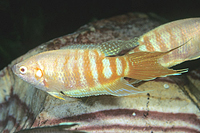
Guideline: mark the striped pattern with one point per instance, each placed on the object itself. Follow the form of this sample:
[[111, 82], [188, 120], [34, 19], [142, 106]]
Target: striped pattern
[[85, 69], [170, 36]]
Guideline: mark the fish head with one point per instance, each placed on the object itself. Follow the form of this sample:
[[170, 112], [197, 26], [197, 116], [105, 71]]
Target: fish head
[[30, 71]]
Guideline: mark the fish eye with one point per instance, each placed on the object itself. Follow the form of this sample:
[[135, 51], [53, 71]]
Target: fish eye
[[23, 69]]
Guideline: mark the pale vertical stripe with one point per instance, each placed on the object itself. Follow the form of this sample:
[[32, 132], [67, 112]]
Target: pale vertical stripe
[[93, 66], [70, 66], [81, 67], [153, 42], [176, 32], [119, 66], [126, 70], [106, 68], [141, 39], [99, 52], [59, 68], [48, 67], [143, 48]]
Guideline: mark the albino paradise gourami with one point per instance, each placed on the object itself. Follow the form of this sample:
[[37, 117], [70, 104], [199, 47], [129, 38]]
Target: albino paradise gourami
[[170, 36], [85, 70]]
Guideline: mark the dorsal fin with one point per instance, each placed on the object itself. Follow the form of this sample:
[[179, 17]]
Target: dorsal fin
[[109, 48]]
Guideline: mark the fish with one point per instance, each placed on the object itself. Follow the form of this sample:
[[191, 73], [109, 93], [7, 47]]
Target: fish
[[171, 35], [90, 70]]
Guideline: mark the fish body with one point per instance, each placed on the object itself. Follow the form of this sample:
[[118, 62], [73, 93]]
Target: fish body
[[170, 36], [86, 70]]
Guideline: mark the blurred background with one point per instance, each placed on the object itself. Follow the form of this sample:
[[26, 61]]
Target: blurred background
[[25, 24]]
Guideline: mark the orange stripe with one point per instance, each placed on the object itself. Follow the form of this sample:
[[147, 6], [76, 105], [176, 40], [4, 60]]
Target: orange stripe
[[102, 78], [172, 41], [74, 72], [81, 68], [113, 67], [174, 36], [123, 64], [158, 41], [87, 67], [70, 73], [165, 40], [100, 69], [66, 71]]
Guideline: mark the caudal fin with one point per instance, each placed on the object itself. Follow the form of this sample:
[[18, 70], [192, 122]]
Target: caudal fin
[[145, 66]]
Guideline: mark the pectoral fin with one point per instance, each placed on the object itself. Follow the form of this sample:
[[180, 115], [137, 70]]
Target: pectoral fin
[[57, 95]]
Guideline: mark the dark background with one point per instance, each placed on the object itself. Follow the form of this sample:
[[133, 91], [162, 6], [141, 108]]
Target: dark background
[[25, 24]]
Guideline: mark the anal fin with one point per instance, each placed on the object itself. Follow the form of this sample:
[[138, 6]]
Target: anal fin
[[121, 87]]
